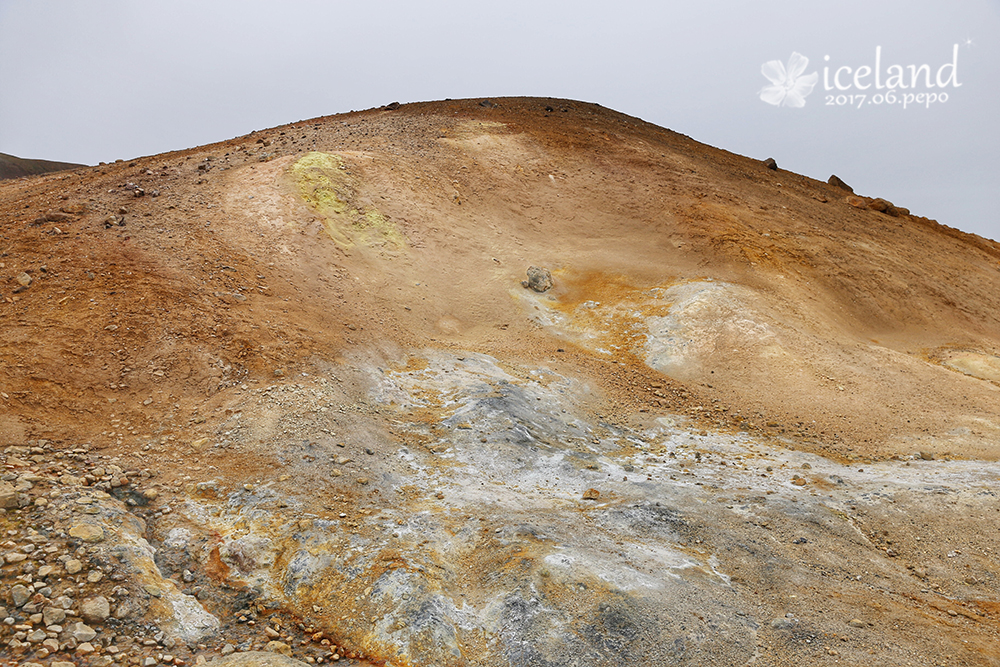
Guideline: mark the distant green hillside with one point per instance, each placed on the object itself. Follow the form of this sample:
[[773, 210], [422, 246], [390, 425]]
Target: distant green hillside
[[15, 167]]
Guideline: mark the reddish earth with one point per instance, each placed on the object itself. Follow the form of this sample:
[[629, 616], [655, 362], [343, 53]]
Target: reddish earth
[[865, 301], [164, 291]]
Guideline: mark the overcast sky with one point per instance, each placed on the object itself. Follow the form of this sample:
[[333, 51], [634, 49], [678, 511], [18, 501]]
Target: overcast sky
[[100, 80]]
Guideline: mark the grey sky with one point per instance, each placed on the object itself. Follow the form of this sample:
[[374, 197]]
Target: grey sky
[[100, 80]]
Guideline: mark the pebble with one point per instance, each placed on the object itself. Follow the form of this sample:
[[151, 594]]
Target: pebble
[[53, 615], [95, 610], [857, 623], [87, 532], [81, 632], [8, 496], [19, 595], [278, 647], [73, 566]]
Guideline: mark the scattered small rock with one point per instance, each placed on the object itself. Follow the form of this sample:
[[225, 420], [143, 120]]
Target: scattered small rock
[[278, 647], [255, 659], [591, 494], [95, 610], [53, 615], [87, 532], [19, 595], [8, 496], [836, 182], [771, 164], [539, 279], [80, 631]]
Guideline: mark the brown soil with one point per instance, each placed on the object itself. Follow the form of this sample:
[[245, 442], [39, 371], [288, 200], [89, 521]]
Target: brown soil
[[178, 298], [228, 277]]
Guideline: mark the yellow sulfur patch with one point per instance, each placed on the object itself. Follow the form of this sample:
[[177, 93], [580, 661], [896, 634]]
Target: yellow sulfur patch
[[326, 184]]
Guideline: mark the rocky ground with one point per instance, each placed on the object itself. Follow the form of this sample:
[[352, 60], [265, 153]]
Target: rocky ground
[[287, 396], [86, 588]]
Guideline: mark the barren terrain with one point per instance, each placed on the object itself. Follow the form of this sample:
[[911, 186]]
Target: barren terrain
[[295, 381], [16, 167]]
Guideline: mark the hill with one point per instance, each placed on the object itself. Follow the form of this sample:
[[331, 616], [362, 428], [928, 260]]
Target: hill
[[753, 419], [16, 167]]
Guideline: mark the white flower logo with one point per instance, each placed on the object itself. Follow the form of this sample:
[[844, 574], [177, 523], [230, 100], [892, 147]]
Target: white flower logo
[[790, 88]]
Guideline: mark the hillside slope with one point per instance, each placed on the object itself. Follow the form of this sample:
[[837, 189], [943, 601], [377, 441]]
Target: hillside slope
[[862, 331], [16, 167], [312, 348]]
